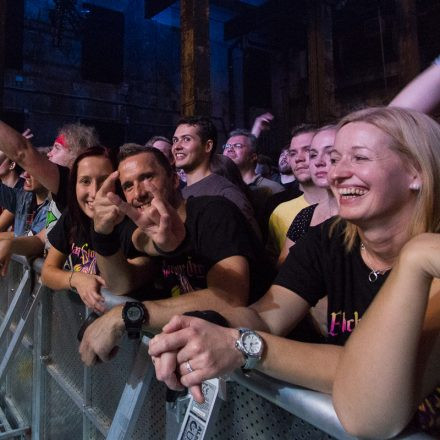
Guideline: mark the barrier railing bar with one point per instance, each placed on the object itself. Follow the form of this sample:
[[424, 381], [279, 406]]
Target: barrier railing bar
[[12, 309], [77, 399], [39, 377], [14, 433], [314, 407], [135, 390], [19, 332], [4, 422]]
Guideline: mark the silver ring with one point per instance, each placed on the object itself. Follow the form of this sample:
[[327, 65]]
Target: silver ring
[[188, 367]]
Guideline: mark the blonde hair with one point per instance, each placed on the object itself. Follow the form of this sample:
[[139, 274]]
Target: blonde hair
[[416, 139], [79, 137]]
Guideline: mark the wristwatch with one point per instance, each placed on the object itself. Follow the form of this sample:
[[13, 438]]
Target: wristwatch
[[134, 315], [251, 345]]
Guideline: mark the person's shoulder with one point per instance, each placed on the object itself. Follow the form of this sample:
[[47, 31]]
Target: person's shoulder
[[287, 206], [203, 203], [330, 233], [274, 186]]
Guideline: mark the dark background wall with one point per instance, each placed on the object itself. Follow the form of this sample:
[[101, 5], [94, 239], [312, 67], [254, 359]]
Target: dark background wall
[[116, 64]]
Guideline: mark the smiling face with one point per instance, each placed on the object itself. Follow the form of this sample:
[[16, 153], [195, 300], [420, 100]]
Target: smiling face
[[188, 149], [137, 172], [319, 156], [370, 180], [92, 171], [299, 156]]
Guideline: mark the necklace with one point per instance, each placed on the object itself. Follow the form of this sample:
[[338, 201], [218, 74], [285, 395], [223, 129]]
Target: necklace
[[374, 274]]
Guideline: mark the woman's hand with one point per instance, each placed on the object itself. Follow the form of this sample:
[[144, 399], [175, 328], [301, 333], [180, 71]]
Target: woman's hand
[[89, 289]]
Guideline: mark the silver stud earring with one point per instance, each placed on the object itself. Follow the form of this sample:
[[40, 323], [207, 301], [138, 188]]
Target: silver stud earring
[[415, 186]]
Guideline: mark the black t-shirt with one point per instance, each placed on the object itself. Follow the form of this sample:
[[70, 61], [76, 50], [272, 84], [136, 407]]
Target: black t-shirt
[[81, 256], [216, 229], [318, 265]]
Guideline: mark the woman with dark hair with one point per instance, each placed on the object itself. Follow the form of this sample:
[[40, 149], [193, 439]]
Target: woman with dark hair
[[70, 238]]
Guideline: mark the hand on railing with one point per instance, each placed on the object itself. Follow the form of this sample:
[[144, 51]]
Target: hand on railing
[[204, 351], [102, 337], [88, 287]]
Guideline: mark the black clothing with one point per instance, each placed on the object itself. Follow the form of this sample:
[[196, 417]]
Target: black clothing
[[81, 256], [301, 223], [216, 229], [319, 265]]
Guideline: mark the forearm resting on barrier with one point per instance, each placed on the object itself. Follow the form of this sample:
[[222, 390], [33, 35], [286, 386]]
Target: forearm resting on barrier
[[392, 360]]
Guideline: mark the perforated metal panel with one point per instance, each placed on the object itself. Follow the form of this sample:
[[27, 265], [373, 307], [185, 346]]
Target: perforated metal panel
[[63, 419], [66, 317], [246, 415], [20, 383], [151, 422]]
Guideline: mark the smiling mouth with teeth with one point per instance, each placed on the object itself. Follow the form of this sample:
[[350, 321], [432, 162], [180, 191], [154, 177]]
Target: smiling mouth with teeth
[[351, 192]]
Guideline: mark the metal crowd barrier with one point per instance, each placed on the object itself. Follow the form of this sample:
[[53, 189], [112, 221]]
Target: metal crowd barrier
[[47, 393]]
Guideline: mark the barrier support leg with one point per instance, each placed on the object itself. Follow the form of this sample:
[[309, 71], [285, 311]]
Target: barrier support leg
[[133, 395]]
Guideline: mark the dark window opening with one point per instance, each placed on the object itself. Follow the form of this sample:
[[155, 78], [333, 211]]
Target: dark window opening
[[103, 45], [111, 134], [14, 34]]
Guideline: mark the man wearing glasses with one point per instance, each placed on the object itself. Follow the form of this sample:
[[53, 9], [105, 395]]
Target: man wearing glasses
[[242, 149]]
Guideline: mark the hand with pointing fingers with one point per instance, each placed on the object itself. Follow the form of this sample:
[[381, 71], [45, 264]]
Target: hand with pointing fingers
[[158, 221], [106, 214]]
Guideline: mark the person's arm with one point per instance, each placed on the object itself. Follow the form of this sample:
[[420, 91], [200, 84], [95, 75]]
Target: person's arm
[[211, 349], [28, 246], [228, 286], [21, 151], [392, 360], [121, 274], [422, 93], [261, 123], [124, 275], [6, 220], [285, 251], [87, 285]]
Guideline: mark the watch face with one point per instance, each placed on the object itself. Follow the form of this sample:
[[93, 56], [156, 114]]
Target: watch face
[[134, 313], [251, 343]]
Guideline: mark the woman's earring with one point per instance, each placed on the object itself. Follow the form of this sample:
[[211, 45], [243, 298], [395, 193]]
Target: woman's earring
[[415, 186]]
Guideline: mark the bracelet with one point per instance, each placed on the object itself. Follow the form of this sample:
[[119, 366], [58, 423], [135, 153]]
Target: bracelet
[[105, 244], [436, 61], [70, 281]]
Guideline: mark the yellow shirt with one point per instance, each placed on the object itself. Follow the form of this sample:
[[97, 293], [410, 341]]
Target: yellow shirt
[[280, 221]]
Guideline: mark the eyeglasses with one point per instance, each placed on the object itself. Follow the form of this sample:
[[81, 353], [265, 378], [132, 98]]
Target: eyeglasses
[[234, 146]]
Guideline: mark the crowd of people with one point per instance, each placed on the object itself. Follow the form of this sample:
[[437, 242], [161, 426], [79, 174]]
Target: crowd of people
[[324, 275]]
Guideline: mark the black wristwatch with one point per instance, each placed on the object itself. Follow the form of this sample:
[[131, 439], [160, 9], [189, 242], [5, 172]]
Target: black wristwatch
[[134, 315]]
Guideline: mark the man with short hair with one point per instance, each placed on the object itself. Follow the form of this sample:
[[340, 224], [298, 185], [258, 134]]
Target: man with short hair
[[283, 215], [194, 144], [220, 262]]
